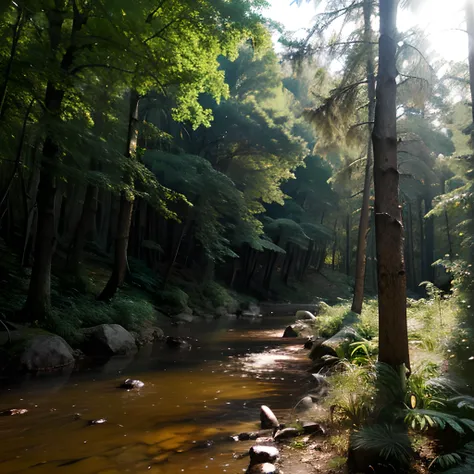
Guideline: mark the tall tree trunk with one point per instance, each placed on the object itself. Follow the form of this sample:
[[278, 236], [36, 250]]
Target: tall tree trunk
[[422, 239], [470, 32], [411, 270], [15, 39], [348, 244], [393, 334], [84, 229], [334, 247], [120, 267], [38, 303], [361, 255], [429, 241]]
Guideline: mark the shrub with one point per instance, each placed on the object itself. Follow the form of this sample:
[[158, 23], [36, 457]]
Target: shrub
[[217, 294]]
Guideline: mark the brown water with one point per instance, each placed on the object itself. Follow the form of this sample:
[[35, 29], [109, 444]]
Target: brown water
[[179, 422]]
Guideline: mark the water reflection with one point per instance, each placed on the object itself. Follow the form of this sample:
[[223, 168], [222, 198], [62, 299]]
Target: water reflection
[[190, 401]]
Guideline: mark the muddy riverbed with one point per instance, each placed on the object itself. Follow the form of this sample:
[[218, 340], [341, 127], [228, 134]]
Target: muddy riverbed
[[180, 421]]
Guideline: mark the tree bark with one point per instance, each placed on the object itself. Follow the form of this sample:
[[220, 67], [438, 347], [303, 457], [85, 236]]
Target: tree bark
[[15, 39], [361, 255], [38, 303], [393, 334], [470, 32], [120, 267], [429, 241], [348, 244]]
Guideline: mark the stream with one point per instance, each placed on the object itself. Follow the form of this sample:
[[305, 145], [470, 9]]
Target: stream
[[181, 421]]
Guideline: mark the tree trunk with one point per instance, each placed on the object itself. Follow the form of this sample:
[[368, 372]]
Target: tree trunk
[[393, 334], [84, 229], [119, 270], [361, 255], [429, 241], [470, 33], [348, 244], [15, 39], [411, 270]]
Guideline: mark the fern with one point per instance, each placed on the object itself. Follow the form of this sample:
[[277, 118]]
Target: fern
[[390, 442]]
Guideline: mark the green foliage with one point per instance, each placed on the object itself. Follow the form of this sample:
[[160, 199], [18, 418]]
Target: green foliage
[[70, 314], [390, 442], [217, 294], [172, 299], [331, 319]]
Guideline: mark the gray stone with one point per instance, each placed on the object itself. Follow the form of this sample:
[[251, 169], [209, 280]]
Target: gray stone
[[149, 335], [108, 340], [340, 342], [286, 433], [305, 316], [265, 468], [305, 404], [46, 352], [290, 332], [263, 454], [131, 384], [267, 418], [185, 317]]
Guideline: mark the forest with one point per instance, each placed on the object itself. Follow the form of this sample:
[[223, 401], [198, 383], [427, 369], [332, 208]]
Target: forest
[[178, 160]]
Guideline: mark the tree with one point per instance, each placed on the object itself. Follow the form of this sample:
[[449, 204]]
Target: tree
[[393, 334]]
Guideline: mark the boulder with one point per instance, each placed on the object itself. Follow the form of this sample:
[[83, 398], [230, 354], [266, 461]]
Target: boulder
[[305, 316], [305, 404], [268, 419], [252, 435], [108, 340], [339, 343], [265, 468], [287, 433], [46, 352], [263, 454], [290, 332]]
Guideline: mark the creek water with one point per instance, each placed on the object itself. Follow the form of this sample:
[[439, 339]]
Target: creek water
[[181, 421]]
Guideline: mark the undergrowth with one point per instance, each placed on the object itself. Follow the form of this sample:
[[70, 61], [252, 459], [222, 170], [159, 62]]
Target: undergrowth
[[387, 413]]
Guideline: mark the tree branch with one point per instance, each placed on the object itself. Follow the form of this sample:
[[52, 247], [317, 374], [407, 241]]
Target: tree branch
[[105, 66]]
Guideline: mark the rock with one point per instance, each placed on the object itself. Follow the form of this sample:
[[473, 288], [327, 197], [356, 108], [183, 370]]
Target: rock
[[305, 316], [13, 411], [131, 384], [99, 421], [268, 419], [107, 340], [309, 343], [286, 433], [313, 428], [325, 362], [250, 310], [305, 404], [340, 342], [178, 343], [46, 352], [290, 332], [266, 468], [265, 441], [263, 454], [253, 435], [149, 335], [185, 317]]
